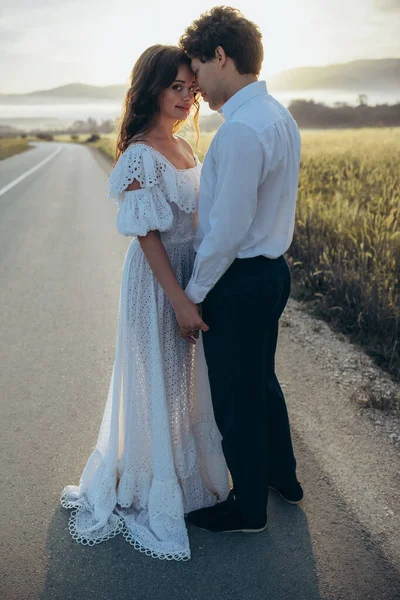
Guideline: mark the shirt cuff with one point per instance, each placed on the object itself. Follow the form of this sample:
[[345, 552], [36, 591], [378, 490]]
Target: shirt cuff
[[195, 292]]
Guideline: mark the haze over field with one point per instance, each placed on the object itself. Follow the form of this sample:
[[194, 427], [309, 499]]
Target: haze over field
[[46, 44], [62, 62]]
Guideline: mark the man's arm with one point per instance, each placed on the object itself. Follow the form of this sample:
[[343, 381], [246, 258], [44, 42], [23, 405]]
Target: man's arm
[[240, 160]]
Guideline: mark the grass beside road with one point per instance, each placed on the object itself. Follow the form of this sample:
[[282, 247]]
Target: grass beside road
[[345, 255], [11, 146], [346, 249], [105, 145]]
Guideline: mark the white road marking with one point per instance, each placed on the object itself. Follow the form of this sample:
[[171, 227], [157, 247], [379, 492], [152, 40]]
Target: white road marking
[[29, 172]]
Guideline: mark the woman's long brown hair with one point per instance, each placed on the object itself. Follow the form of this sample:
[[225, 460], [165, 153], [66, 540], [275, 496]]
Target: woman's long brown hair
[[155, 70]]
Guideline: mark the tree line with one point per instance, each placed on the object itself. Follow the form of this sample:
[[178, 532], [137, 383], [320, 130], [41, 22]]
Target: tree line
[[310, 114]]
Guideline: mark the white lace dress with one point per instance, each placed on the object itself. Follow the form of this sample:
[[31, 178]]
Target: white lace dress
[[158, 453]]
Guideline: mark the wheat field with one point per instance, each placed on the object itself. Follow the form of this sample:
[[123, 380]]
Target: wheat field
[[346, 251], [11, 146], [345, 256]]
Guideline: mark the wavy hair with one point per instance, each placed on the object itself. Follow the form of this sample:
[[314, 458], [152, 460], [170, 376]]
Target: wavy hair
[[227, 27], [155, 70]]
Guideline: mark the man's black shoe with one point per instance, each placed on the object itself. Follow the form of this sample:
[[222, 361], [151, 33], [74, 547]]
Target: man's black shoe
[[292, 494], [224, 517]]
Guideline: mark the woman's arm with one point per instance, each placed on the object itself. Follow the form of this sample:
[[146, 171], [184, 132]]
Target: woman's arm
[[187, 313]]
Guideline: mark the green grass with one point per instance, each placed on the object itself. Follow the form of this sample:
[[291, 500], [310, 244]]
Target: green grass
[[346, 249], [106, 143], [345, 255], [11, 146], [67, 138]]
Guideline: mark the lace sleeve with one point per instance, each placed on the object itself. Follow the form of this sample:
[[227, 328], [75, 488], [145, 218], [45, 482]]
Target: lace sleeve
[[146, 209], [135, 163], [142, 211]]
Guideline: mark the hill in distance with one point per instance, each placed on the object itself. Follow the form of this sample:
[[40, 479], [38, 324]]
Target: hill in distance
[[82, 90], [359, 76]]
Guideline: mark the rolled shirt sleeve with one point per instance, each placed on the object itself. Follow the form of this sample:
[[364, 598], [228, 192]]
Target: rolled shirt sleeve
[[240, 162]]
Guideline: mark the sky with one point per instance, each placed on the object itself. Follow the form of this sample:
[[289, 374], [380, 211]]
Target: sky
[[47, 43]]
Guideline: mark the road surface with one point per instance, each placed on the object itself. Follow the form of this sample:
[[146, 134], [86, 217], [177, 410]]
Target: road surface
[[61, 262]]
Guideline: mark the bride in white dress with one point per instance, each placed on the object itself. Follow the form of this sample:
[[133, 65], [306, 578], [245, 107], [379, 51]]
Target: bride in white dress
[[158, 455]]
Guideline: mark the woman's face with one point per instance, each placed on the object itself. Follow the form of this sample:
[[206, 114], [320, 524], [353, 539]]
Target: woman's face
[[177, 100]]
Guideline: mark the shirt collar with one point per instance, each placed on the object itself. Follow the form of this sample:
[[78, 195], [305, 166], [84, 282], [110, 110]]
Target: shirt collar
[[257, 88]]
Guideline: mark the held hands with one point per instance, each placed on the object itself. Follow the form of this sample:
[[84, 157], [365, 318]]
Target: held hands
[[189, 320]]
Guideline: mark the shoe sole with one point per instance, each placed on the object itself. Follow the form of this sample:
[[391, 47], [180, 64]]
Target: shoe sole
[[236, 530], [245, 530], [284, 498]]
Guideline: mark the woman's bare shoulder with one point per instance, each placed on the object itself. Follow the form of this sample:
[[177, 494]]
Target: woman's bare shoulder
[[185, 143]]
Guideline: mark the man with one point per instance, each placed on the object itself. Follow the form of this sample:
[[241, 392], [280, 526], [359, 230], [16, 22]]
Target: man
[[246, 221]]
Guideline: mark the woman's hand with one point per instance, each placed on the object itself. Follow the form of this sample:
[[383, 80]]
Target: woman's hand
[[189, 320], [187, 313]]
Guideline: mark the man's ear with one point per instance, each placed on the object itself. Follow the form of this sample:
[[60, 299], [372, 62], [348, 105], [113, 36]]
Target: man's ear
[[220, 55]]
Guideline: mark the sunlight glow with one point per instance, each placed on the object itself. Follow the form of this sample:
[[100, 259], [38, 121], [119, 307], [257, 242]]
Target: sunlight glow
[[45, 44]]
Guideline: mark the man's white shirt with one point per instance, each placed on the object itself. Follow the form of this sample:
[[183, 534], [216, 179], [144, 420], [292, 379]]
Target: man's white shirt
[[248, 187]]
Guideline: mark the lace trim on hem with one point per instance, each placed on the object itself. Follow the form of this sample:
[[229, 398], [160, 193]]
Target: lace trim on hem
[[120, 528], [180, 556], [85, 541]]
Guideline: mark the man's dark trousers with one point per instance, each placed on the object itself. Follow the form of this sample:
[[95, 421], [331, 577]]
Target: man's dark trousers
[[243, 311]]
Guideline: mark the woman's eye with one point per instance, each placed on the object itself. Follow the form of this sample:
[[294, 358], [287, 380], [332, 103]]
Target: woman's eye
[[192, 90]]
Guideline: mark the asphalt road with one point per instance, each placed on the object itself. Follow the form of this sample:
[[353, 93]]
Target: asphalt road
[[61, 262]]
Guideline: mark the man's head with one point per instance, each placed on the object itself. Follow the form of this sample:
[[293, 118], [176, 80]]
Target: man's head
[[225, 48]]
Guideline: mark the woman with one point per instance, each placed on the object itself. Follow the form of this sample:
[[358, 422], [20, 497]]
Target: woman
[[158, 455]]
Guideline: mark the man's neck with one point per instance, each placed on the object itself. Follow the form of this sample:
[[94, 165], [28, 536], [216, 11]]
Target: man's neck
[[238, 84]]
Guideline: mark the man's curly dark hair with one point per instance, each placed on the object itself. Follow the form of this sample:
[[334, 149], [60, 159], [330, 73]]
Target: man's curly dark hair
[[225, 26]]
